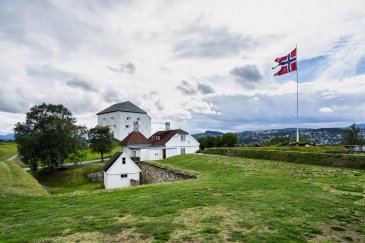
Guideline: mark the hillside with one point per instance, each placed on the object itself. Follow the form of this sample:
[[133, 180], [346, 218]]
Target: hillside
[[233, 199], [15, 181], [207, 134], [322, 136]]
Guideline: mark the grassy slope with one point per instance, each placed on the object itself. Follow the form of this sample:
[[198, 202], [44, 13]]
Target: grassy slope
[[7, 150], [70, 180], [13, 180], [234, 199]]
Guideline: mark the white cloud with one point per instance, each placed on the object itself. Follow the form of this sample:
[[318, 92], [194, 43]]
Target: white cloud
[[325, 110], [58, 52]]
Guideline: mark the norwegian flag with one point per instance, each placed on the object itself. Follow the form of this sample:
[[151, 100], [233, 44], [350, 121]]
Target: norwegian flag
[[288, 63]]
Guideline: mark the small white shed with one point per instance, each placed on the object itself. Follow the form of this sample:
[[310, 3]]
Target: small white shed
[[120, 171]]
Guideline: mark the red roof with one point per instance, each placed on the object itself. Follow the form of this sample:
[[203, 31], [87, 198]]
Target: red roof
[[134, 138], [162, 137]]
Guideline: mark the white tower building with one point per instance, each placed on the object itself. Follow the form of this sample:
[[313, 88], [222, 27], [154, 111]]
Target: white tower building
[[120, 119]]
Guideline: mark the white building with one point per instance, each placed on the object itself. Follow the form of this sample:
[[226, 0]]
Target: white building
[[120, 171], [160, 145], [120, 117]]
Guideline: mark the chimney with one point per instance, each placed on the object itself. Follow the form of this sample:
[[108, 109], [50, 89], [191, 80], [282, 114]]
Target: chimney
[[167, 126], [135, 126]]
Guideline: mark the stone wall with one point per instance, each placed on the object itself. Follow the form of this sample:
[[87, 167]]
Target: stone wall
[[151, 173], [96, 176], [156, 174]]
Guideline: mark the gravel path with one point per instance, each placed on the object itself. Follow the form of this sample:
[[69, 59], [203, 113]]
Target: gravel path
[[12, 158]]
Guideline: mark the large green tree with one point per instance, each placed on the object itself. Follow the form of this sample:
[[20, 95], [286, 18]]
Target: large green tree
[[101, 140], [352, 136], [48, 136], [229, 139]]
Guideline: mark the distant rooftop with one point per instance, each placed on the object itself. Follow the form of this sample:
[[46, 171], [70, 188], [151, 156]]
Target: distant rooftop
[[124, 106]]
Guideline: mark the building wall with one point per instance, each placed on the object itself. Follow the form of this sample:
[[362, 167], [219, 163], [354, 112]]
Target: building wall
[[189, 144], [176, 141], [115, 181], [121, 123], [112, 177]]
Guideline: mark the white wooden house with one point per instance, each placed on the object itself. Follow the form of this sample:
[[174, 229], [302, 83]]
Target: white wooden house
[[160, 145], [120, 171]]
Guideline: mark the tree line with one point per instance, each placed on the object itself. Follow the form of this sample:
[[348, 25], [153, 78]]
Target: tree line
[[226, 140], [50, 135]]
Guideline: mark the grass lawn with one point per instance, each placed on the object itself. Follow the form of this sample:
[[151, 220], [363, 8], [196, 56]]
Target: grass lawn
[[13, 180], [234, 199], [7, 149], [89, 155], [70, 180]]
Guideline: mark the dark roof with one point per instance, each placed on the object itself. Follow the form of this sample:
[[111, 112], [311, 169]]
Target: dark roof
[[164, 136], [124, 106], [134, 138], [111, 161]]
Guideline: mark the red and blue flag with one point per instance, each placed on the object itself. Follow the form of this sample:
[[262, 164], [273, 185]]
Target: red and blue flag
[[288, 63]]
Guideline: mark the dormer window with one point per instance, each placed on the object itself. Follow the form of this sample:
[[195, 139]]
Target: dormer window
[[158, 138]]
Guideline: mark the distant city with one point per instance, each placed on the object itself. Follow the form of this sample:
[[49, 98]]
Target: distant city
[[320, 136]]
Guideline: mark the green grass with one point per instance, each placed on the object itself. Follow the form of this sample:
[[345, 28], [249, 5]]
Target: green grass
[[13, 180], [234, 199], [89, 155], [7, 150], [69, 180], [306, 157], [317, 149]]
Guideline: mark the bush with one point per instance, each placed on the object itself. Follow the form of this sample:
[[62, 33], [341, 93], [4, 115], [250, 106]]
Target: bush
[[338, 160]]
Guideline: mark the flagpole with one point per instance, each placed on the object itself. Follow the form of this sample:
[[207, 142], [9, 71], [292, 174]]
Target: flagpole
[[296, 47]]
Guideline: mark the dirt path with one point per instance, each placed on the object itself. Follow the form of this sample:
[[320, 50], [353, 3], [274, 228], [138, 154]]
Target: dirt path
[[12, 158]]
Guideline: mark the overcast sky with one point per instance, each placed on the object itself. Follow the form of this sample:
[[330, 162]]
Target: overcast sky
[[202, 65]]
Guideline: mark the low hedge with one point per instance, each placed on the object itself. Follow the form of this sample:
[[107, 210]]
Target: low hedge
[[338, 160]]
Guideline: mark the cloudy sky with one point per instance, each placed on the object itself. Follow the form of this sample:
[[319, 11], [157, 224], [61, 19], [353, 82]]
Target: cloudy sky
[[202, 65]]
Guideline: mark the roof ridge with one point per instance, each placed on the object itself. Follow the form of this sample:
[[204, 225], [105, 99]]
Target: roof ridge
[[125, 106]]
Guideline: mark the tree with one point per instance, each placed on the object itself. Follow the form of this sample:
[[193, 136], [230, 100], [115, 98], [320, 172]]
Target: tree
[[101, 140], [229, 139], [352, 136], [207, 142], [48, 136]]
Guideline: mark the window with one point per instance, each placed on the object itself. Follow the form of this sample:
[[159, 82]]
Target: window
[[112, 118], [124, 176], [183, 138], [182, 150], [114, 126], [157, 138], [138, 119], [134, 153], [128, 118], [104, 119], [123, 161], [126, 126]]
